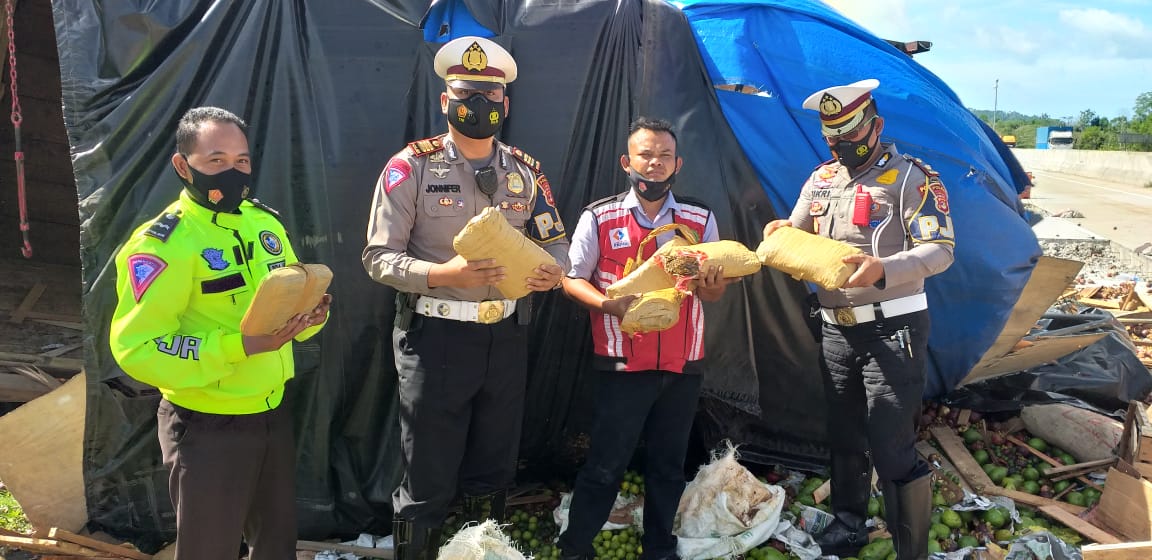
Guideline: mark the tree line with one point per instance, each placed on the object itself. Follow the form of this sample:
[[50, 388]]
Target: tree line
[[1091, 131]]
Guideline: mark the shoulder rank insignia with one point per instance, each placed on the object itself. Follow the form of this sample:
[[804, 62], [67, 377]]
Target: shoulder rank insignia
[[927, 169], [426, 146], [163, 227], [266, 208], [527, 159]]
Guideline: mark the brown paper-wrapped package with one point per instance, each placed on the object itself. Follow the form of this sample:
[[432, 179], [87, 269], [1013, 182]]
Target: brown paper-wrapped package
[[285, 292], [653, 311], [489, 236], [807, 256]]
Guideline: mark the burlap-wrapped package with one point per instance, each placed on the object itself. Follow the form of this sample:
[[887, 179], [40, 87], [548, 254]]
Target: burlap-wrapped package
[[490, 236], [679, 263], [689, 262], [653, 311], [807, 256], [284, 293]]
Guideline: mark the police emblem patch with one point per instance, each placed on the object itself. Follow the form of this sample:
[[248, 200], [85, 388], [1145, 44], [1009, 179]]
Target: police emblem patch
[[459, 202], [474, 58], [215, 196], [145, 269], [619, 238], [397, 172], [271, 243], [515, 183], [215, 258], [545, 189]]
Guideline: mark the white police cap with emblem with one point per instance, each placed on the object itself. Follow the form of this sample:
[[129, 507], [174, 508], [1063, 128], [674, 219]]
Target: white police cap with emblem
[[474, 63], [842, 108]]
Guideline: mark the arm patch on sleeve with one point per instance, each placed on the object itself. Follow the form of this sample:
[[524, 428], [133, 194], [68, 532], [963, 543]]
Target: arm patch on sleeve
[[143, 270], [545, 224], [397, 172], [932, 222]]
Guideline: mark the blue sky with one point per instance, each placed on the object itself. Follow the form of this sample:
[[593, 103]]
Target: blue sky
[[1052, 57]]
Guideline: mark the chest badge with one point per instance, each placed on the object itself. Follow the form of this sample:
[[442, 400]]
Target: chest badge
[[888, 177], [619, 238], [436, 157], [215, 258], [515, 183], [440, 170], [519, 207], [271, 243]]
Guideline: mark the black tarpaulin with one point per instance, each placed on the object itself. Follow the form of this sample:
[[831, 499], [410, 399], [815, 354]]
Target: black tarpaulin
[[331, 90]]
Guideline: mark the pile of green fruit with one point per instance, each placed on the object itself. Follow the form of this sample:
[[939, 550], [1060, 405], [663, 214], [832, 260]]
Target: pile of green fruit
[[618, 545], [533, 533], [804, 493], [1013, 468], [633, 484]]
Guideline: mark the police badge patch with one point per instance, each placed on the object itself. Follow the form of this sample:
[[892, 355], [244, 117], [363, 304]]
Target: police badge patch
[[145, 269], [215, 258], [271, 243]]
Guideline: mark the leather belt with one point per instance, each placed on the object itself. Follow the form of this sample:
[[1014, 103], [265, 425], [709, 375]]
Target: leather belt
[[486, 312], [849, 316]]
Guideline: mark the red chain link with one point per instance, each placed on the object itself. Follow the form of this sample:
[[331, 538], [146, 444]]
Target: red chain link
[[17, 118]]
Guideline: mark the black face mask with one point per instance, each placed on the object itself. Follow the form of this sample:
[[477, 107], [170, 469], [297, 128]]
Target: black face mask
[[855, 154], [647, 188], [476, 117], [222, 192]]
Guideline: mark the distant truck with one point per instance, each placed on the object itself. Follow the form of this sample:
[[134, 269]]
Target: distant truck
[[1054, 138], [1009, 140]]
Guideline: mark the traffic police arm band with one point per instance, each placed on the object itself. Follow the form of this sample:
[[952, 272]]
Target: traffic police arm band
[[916, 263]]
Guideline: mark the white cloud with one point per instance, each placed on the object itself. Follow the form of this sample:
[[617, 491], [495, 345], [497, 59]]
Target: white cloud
[[1103, 22]]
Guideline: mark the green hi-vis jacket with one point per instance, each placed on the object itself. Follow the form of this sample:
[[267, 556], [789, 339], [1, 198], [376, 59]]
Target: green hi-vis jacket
[[184, 282]]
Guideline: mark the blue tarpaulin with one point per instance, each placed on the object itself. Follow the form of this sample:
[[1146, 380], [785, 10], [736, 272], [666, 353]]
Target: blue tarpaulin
[[784, 50]]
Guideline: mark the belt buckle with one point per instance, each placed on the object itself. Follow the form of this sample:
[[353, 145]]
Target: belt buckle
[[845, 316], [489, 312]]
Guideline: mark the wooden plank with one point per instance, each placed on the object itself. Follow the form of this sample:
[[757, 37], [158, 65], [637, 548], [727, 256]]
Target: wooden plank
[[971, 471], [1090, 465], [35, 544], [313, 546], [29, 302], [1126, 506], [76, 326], [57, 352], [1049, 278], [117, 550], [1043, 350], [820, 494], [17, 388], [55, 317], [43, 362], [1129, 445], [47, 476], [1119, 551], [1144, 468], [966, 466], [1080, 526], [1047, 459]]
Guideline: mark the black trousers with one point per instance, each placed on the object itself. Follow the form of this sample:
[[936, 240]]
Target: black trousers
[[230, 476], [874, 388], [660, 406], [462, 391]]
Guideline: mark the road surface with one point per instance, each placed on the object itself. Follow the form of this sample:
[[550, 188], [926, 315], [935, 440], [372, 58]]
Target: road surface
[[1118, 212]]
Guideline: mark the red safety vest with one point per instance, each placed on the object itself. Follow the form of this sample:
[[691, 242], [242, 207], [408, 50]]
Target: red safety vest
[[619, 236]]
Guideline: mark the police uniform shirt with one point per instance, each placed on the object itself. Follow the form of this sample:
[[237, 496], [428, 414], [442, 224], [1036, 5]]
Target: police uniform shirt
[[426, 195], [909, 225]]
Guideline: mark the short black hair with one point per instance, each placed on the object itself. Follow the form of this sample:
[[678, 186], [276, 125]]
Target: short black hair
[[189, 128], [653, 124]]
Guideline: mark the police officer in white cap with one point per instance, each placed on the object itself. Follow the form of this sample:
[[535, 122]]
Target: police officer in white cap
[[875, 327], [460, 348]]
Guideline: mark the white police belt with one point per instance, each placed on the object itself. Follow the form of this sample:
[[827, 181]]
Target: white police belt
[[849, 316], [486, 312]]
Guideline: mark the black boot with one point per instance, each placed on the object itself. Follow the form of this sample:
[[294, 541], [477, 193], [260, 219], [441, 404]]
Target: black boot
[[851, 487], [486, 506], [412, 542], [907, 512]]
